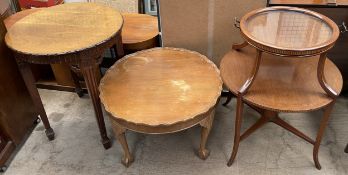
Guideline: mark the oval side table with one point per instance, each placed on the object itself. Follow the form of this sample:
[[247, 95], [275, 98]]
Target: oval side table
[[161, 90], [282, 67], [74, 33]]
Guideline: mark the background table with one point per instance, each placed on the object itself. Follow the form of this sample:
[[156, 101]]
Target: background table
[[76, 33], [161, 90], [270, 84]]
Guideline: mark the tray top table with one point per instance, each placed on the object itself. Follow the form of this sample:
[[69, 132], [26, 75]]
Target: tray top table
[[266, 72], [161, 90], [289, 31], [73, 33]]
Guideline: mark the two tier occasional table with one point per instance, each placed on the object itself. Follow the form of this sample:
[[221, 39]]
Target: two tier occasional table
[[74, 33], [161, 90], [282, 67]]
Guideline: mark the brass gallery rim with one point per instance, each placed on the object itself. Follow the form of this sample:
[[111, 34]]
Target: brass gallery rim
[[286, 27], [64, 29], [145, 117]]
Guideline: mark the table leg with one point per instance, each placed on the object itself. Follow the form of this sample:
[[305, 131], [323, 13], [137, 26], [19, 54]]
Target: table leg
[[346, 150], [118, 47], [238, 125], [88, 70], [323, 124], [76, 80], [29, 80], [206, 127], [120, 131]]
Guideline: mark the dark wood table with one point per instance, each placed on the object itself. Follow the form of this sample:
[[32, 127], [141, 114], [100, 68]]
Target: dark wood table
[[161, 90], [74, 33], [282, 67]]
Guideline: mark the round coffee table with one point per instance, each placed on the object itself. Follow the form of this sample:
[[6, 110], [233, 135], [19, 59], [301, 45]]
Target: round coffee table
[[73, 33], [161, 90], [255, 73]]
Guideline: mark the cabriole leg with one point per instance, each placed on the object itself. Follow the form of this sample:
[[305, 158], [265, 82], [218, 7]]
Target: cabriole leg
[[206, 124], [120, 131]]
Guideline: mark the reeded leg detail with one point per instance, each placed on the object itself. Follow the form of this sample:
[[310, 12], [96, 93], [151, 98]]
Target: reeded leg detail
[[238, 124], [206, 124], [323, 124], [119, 131], [34, 93], [88, 71]]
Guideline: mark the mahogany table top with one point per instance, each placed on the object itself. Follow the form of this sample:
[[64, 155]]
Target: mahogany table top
[[287, 84], [139, 28], [160, 86], [64, 29]]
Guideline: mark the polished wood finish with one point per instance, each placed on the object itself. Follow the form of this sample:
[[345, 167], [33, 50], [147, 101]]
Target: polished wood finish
[[271, 84], [86, 19], [292, 84], [17, 114], [289, 31], [139, 32], [161, 90], [75, 33]]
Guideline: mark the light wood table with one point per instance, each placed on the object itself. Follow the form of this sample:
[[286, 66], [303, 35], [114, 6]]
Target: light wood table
[[139, 32], [74, 33], [301, 80], [161, 90]]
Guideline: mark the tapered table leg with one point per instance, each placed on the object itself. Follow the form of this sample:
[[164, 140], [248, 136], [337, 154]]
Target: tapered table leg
[[88, 70], [29, 80], [238, 125], [206, 124], [323, 124], [119, 131]]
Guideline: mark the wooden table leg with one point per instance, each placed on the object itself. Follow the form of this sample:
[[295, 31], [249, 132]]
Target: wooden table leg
[[323, 124], [346, 150], [78, 88], [118, 47], [120, 131], [29, 80], [238, 125], [88, 69], [206, 124]]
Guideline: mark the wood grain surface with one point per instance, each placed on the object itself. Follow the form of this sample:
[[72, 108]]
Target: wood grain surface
[[160, 86], [287, 84], [64, 29], [138, 28]]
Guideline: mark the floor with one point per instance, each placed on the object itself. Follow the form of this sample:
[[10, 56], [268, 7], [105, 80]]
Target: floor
[[270, 151]]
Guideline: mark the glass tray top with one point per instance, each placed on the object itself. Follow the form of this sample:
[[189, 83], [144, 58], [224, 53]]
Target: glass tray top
[[289, 28]]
